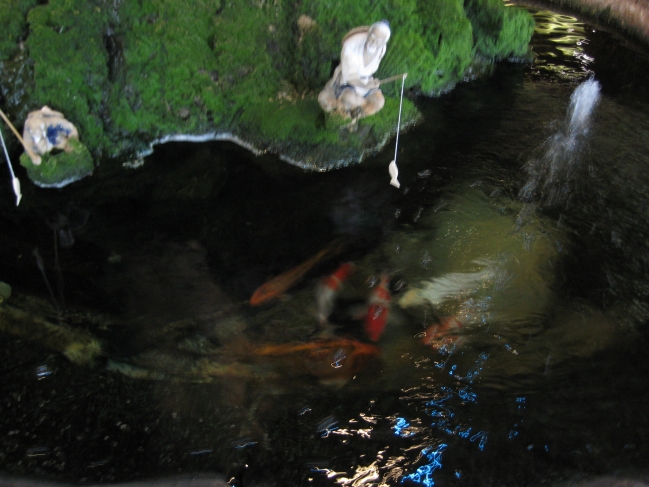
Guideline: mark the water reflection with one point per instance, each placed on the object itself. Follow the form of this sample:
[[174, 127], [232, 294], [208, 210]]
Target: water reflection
[[499, 344], [492, 263], [559, 44], [552, 172], [436, 422]]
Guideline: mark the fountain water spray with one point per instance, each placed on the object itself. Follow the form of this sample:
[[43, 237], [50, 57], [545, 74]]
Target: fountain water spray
[[551, 172]]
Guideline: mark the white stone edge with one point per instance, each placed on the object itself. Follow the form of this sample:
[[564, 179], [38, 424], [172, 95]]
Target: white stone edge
[[227, 137]]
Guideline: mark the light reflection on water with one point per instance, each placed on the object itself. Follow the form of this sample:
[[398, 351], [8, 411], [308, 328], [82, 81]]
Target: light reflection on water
[[559, 44], [525, 347], [529, 376], [439, 418]]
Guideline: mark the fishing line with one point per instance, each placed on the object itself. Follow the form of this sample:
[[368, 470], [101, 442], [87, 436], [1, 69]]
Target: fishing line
[[14, 180], [392, 168]]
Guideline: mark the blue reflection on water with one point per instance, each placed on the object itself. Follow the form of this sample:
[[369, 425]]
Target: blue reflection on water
[[464, 433], [423, 475], [438, 402], [482, 436], [443, 409], [466, 395], [400, 426], [477, 368], [326, 426], [43, 371]]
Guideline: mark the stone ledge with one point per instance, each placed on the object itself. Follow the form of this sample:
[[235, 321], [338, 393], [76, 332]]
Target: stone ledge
[[627, 17]]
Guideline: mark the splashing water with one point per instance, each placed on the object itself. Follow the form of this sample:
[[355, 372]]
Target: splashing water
[[552, 172], [582, 103]]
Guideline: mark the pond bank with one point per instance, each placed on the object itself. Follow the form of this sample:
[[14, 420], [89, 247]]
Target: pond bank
[[132, 73], [627, 17]]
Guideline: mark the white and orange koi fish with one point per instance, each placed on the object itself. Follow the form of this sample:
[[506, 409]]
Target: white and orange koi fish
[[328, 289], [379, 309]]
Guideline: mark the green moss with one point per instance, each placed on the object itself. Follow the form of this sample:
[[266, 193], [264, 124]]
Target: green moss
[[301, 120], [126, 73], [501, 31], [432, 41], [334, 121], [62, 167], [436, 51], [13, 20], [70, 63], [163, 68], [386, 120]]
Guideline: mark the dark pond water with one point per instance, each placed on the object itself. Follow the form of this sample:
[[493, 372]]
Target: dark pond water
[[515, 346]]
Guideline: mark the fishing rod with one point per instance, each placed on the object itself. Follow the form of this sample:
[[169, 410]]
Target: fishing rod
[[32, 156], [392, 167], [393, 78], [15, 182]]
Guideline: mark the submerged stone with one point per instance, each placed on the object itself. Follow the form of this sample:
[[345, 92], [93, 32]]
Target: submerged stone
[[5, 292]]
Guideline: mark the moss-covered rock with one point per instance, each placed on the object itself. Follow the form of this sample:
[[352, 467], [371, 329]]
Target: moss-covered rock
[[500, 33], [57, 169], [132, 72], [70, 64], [13, 15]]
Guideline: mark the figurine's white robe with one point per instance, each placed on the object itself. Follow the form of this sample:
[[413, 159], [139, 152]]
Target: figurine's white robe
[[352, 66]]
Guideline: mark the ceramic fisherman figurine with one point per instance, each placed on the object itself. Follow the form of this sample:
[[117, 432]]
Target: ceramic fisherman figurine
[[44, 130], [352, 91]]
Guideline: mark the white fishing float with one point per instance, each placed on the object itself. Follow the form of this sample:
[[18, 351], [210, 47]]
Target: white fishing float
[[392, 168], [14, 180]]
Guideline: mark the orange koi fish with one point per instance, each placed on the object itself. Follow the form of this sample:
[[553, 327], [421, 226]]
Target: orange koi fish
[[328, 288], [442, 333], [332, 361], [379, 309], [317, 348], [278, 285]]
